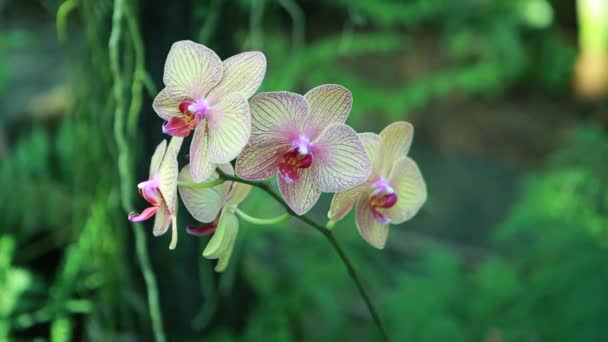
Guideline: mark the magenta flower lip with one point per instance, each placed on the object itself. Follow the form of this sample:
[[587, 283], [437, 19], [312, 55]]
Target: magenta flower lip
[[207, 97], [303, 140], [160, 190], [394, 191]]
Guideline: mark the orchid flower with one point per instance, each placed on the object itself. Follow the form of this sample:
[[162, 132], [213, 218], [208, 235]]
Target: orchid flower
[[208, 96], [160, 190], [303, 139], [394, 191], [217, 206]]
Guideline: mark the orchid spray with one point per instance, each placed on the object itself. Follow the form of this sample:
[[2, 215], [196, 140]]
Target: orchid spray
[[301, 139]]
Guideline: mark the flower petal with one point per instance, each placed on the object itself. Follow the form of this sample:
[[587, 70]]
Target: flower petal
[[202, 204], [239, 193], [224, 236], [342, 202], [328, 104], [410, 188], [397, 138], [224, 259], [191, 70], [167, 174], [340, 159], [200, 166], [243, 73], [276, 117], [162, 221], [166, 105], [260, 161], [229, 127], [157, 158], [302, 195], [370, 229], [144, 215], [375, 151]]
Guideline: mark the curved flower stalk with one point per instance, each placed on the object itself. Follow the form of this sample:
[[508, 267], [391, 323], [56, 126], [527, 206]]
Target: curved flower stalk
[[160, 190], [217, 206], [393, 193], [303, 140], [208, 96]]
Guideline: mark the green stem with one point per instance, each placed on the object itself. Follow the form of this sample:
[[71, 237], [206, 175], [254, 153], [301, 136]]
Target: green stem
[[124, 169], [204, 185], [329, 236], [260, 221]]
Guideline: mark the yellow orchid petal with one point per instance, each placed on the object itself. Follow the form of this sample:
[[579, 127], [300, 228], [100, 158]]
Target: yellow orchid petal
[[162, 221], [191, 70], [343, 202], [202, 204], [224, 236], [340, 159], [406, 179], [302, 195], [328, 104], [397, 139], [374, 232], [229, 128], [166, 105], [157, 157], [167, 174], [239, 193], [243, 73], [201, 167]]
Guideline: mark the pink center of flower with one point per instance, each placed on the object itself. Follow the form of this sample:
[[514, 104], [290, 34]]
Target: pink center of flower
[[150, 191], [193, 113], [205, 229], [383, 196], [298, 157]]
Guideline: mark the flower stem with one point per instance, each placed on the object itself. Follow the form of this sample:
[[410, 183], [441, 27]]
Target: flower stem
[[204, 185], [261, 221], [328, 235]]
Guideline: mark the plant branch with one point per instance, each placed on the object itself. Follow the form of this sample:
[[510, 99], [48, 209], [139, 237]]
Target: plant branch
[[261, 221], [330, 237]]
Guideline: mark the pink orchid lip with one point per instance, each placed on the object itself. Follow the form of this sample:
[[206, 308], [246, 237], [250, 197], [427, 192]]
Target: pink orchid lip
[[298, 157], [150, 191], [145, 214], [193, 113], [205, 229], [383, 196]]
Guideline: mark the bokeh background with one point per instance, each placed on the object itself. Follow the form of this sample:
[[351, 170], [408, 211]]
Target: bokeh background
[[508, 101]]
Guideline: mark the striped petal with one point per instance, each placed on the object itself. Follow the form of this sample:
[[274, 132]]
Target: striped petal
[[191, 70], [375, 151], [328, 104], [200, 166], [157, 157], [167, 175], [340, 159], [302, 195], [243, 73], [342, 202], [224, 236], [239, 193], [397, 139], [260, 162], [162, 221], [410, 188], [276, 117], [166, 105], [229, 127], [202, 204], [374, 232]]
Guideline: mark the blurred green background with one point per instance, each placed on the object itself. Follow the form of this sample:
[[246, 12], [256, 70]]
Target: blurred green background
[[507, 99]]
